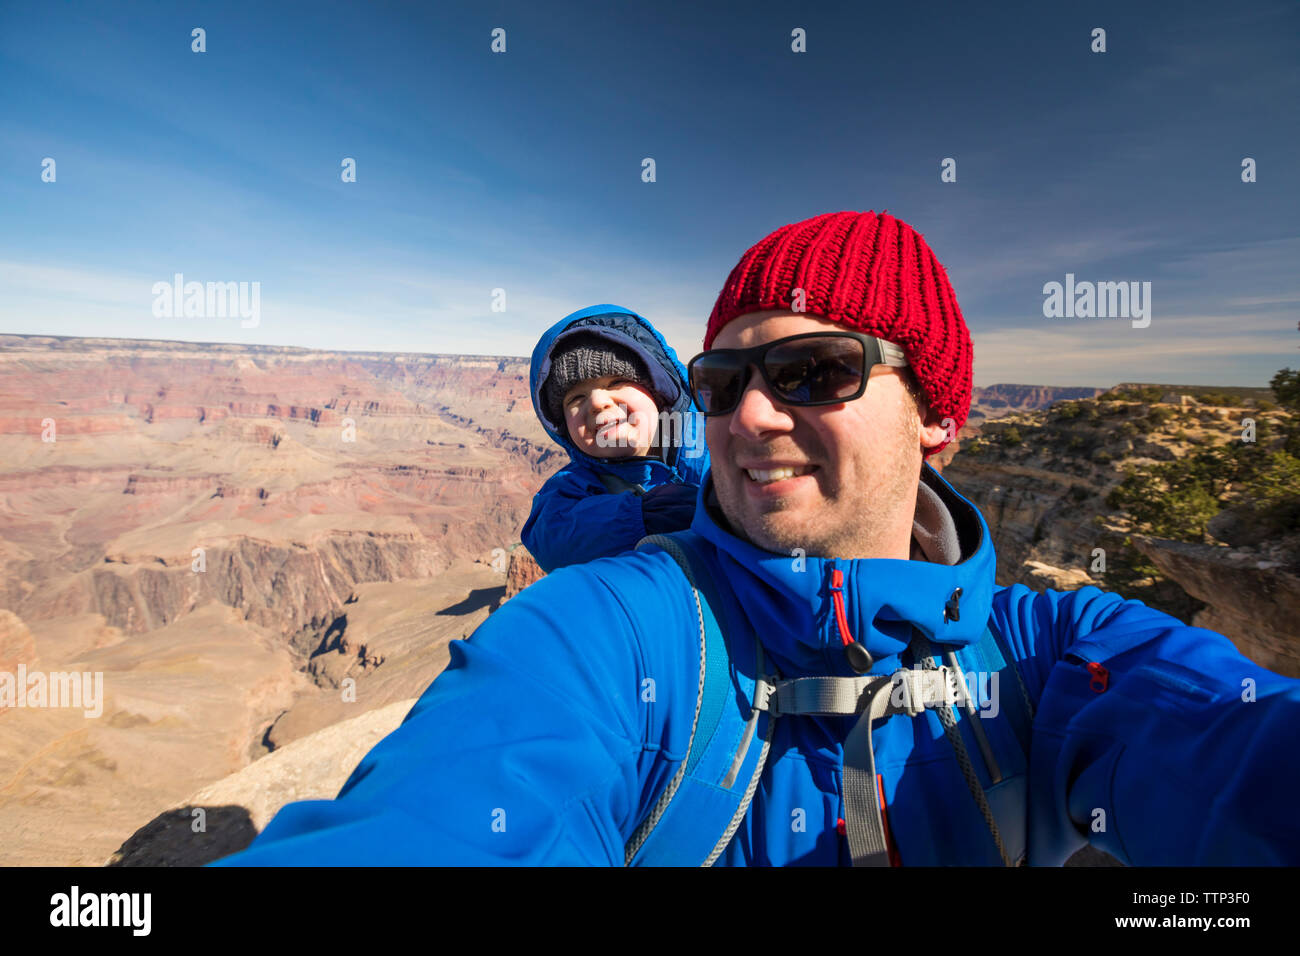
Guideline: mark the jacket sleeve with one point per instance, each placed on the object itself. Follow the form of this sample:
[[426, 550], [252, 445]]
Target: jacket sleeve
[[529, 749], [1157, 742], [574, 521]]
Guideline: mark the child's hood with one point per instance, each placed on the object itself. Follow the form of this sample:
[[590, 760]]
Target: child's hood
[[667, 375]]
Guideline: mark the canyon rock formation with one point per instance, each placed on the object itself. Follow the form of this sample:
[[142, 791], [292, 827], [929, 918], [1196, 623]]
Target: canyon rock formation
[[248, 544]]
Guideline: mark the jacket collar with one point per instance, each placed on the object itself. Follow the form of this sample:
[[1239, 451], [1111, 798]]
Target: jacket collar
[[788, 600]]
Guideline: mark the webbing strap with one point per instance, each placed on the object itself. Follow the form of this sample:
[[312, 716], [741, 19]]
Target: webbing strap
[[616, 486], [818, 695], [863, 825], [729, 780], [910, 692], [903, 692], [762, 688], [935, 688], [949, 722], [990, 761]]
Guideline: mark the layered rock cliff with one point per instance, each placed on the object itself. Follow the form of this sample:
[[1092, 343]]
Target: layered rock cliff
[[994, 400], [1041, 480], [248, 544]]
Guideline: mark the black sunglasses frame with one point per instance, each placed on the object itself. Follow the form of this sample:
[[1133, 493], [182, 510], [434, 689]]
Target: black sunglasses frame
[[875, 351]]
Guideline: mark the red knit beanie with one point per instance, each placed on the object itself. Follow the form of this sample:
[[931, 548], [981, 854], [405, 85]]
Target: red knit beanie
[[874, 274]]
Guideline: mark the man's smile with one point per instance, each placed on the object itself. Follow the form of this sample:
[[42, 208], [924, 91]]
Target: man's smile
[[774, 482], [768, 473]]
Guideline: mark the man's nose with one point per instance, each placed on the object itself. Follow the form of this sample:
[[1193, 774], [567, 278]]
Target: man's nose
[[758, 411]]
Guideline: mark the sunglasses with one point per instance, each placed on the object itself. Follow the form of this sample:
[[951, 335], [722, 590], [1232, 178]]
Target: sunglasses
[[815, 368]]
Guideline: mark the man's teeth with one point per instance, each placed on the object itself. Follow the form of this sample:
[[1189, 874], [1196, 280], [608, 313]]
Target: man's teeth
[[776, 474]]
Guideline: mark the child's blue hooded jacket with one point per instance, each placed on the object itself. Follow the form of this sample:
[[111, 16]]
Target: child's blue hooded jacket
[[539, 744], [574, 517]]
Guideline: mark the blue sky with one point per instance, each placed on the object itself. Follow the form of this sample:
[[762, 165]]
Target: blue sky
[[522, 170]]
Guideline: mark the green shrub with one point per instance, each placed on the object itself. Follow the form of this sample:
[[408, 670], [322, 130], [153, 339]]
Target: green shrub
[[1286, 389], [1147, 394], [1158, 416], [1268, 502], [1164, 503], [1273, 480], [1011, 436], [1125, 564], [1218, 398], [1177, 499]]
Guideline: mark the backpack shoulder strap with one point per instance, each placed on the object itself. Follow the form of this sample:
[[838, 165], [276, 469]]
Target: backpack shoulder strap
[[616, 485], [996, 675], [1000, 662], [703, 805]]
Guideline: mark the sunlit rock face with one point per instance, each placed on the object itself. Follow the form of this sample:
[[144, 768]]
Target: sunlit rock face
[[249, 544]]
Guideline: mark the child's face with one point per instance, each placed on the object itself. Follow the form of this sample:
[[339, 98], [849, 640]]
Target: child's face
[[611, 417]]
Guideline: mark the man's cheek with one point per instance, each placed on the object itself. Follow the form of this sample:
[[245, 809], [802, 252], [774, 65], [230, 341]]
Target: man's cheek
[[715, 438]]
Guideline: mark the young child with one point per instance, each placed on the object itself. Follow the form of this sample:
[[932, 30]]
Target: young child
[[601, 380]]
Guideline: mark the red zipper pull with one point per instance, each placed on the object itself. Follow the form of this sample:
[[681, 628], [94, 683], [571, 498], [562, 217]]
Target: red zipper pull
[[859, 659], [1100, 677], [837, 598]]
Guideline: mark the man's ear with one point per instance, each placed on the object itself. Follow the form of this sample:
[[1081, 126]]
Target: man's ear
[[934, 430]]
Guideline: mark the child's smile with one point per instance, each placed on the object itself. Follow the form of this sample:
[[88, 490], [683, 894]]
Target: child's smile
[[611, 417]]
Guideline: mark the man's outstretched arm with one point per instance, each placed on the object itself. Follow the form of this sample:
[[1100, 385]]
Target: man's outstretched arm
[[1154, 741], [528, 749]]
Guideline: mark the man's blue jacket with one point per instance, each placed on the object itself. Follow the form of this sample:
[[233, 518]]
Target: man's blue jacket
[[536, 745], [574, 517]]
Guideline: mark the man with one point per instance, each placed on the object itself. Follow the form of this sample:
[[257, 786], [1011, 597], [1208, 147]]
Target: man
[[560, 728]]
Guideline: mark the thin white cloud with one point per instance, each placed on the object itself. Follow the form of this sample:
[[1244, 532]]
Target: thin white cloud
[[1213, 349], [1251, 301]]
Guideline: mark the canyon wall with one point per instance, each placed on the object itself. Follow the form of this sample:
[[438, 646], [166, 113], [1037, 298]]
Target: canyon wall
[[248, 544]]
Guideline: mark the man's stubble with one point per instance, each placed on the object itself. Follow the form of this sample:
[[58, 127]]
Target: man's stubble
[[859, 520]]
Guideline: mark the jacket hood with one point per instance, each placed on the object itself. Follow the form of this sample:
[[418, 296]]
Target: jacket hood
[[883, 597], [685, 461]]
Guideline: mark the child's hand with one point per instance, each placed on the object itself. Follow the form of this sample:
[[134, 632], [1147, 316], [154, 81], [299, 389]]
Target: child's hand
[[668, 508]]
